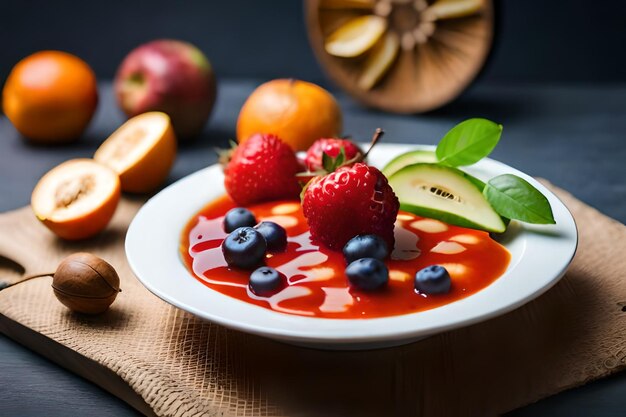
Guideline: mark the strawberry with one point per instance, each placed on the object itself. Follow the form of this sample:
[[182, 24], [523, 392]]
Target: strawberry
[[351, 201], [263, 168], [314, 160]]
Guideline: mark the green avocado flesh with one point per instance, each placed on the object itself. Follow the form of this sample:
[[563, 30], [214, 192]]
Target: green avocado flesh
[[445, 194], [408, 158]]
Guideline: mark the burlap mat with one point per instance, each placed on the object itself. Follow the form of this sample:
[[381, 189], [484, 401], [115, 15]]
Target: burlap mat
[[183, 366]]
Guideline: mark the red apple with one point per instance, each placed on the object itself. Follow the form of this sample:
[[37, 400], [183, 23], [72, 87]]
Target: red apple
[[170, 76]]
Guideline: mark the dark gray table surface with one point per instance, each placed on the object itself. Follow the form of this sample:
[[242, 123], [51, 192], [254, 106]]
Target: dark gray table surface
[[572, 135]]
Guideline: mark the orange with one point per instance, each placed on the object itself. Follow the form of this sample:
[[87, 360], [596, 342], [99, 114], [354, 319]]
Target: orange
[[76, 199], [298, 112], [50, 96], [142, 152]]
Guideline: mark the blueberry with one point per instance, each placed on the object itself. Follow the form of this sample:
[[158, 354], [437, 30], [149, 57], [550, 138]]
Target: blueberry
[[244, 248], [274, 234], [367, 274], [266, 281], [433, 279], [238, 217], [365, 246]]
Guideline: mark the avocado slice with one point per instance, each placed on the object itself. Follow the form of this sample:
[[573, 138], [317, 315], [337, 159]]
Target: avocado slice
[[446, 194], [408, 158]]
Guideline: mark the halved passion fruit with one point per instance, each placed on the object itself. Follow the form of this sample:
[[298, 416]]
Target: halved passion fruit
[[76, 199], [142, 152]]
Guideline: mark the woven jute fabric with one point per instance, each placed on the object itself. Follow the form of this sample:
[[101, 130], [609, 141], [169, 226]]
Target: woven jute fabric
[[183, 366]]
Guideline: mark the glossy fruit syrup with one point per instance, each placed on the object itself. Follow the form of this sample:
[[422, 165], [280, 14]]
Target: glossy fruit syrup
[[317, 283]]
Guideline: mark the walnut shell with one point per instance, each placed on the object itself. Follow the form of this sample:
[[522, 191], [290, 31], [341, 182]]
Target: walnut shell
[[85, 283]]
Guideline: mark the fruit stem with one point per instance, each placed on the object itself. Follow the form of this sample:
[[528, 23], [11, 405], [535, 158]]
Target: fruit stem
[[378, 133], [4, 284]]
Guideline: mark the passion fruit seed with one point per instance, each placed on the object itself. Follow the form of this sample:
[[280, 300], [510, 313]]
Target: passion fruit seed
[[85, 283], [71, 190]]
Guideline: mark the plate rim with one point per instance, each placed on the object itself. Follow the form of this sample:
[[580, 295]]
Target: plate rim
[[385, 328]]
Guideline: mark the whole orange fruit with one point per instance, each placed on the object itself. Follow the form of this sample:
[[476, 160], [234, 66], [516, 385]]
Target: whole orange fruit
[[296, 111], [50, 96]]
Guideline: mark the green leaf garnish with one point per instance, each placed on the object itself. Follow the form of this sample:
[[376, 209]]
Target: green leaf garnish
[[513, 197], [468, 142]]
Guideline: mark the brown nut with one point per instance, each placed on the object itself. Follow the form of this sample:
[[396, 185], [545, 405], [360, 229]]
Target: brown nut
[[85, 283]]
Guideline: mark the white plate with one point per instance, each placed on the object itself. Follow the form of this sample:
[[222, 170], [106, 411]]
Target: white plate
[[539, 257]]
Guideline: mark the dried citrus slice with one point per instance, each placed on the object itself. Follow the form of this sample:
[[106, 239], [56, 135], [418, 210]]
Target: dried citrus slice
[[76, 199], [451, 9], [141, 151], [379, 61], [356, 36], [346, 4]]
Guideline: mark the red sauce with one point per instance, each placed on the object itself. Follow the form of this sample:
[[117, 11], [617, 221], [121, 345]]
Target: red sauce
[[317, 283]]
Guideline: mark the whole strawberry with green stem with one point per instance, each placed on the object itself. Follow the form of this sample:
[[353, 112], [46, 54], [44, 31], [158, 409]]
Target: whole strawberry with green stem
[[326, 149], [263, 168], [353, 200]]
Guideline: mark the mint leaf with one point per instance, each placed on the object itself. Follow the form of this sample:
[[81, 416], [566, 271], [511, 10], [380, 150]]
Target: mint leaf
[[514, 198], [468, 142]]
